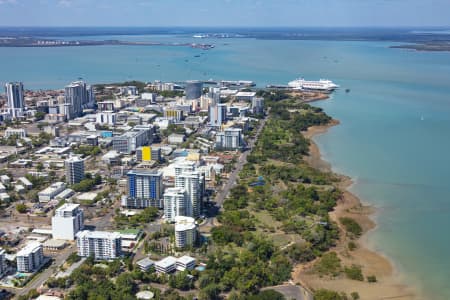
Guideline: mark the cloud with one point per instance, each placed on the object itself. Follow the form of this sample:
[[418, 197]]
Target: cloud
[[65, 3], [8, 2]]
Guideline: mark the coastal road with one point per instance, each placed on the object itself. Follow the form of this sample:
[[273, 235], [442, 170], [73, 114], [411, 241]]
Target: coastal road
[[223, 193]]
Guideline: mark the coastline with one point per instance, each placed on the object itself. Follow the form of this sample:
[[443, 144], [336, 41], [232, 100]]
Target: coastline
[[388, 285]]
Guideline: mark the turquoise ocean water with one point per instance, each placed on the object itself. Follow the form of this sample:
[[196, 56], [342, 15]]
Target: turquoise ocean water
[[393, 139]]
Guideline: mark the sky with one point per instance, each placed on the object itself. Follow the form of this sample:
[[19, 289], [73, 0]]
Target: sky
[[216, 13]]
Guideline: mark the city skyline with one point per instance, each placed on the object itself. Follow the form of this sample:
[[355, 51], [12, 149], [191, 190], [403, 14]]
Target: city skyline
[[227, 13]]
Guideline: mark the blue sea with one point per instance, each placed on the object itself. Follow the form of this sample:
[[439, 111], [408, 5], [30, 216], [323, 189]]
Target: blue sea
[[393, 138]]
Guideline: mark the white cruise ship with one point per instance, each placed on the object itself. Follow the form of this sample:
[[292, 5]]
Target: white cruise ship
[[321, 85]]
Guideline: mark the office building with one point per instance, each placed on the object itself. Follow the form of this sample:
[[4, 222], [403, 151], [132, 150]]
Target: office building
[[147, 153], [15, 99], [74, 170], [175, 203], [145, 264], [229, 139], [185, 232], [145, 189], [166, 265], [101, 245], [193, 89], [191, 183], [68, 220], [128, 142], [144, 154], [217, 114], [156, 154], [30, 258], [2, 262]]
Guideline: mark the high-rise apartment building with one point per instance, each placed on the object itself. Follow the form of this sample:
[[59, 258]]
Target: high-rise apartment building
[[30, 258], [191, 183], [185, 232], [75, 95], [217, 114], [145, 189], [229, 139], [79, 96], [68, 220], [74, 170], [2, 262], [175, 203], [15, 99], [101, 245]]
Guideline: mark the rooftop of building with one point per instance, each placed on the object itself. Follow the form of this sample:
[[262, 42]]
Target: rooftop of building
[[68, 207], [183, 223], [53, 187], [98, 234], [145, 172], [166, 262], [29, 248], [54, 243], [74, 159], [145, 262], [186, 260], [246, 94], [173, 191]]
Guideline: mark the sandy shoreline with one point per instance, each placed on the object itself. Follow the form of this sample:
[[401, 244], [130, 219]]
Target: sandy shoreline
[[388, 285]]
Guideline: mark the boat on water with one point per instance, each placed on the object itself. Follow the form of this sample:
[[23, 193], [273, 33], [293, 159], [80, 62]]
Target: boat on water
[[324, 85]]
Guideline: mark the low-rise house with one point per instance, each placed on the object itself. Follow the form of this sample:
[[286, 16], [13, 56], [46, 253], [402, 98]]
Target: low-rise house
[[166, 265], [145, 264], [25, 182], [51, 192], [5, 179], [185, 263]]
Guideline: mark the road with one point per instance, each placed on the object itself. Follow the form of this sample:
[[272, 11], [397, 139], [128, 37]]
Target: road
[[292, 291], [223, 193]]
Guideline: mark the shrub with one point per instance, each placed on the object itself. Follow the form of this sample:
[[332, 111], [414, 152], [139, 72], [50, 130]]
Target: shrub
[[324, 294], [351, 246], [372, 278], [354, 273], [329, 264], [351, 226], [355, 296], [21, 208]]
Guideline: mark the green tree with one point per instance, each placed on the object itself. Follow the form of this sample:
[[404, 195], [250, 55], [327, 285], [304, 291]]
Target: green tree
[[324, 294], [21, 208]]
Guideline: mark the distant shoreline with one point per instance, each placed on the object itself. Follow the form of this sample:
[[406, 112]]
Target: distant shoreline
[[50, 43], [430, 47]]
